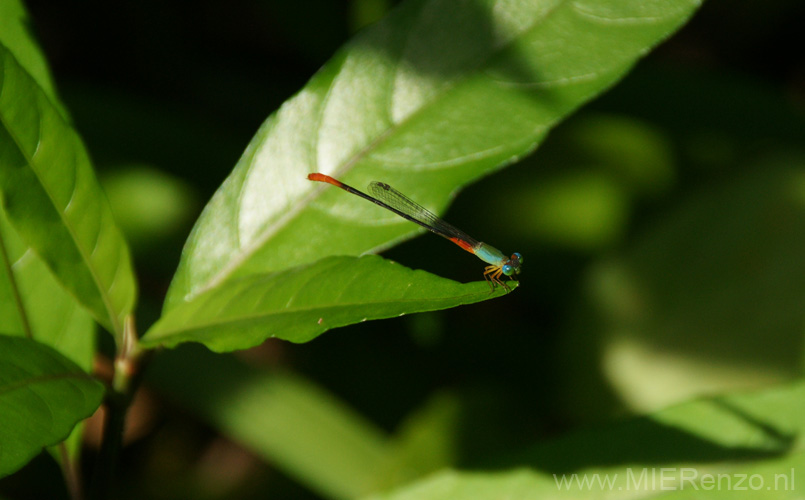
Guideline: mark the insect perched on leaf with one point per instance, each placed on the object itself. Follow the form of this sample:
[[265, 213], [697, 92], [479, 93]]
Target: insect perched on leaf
[[391, 199]]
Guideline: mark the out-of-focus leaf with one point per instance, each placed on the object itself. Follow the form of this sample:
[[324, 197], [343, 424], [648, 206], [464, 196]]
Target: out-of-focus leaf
[[53, 200], [584, 210], [668, 455], [43, 395], [365, 12], [591, 171], [427, 441], [636, 153], [302, 303], [283, 418], [148, 205], [710, 297], [436, 95]]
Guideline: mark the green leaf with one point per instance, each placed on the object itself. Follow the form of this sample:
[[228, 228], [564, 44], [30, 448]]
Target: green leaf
[[283, 418], [53, 200], [710, 297], [43, 395], [302, 303], [435, 96], [16, 36], [428, 440], [149, 206], [727, 438], [34, 305]]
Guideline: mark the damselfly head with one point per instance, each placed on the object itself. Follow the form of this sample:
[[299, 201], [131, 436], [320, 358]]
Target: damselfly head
[[512, 266]]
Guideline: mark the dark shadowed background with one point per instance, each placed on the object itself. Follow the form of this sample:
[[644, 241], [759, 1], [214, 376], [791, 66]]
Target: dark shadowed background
[[663, 228]]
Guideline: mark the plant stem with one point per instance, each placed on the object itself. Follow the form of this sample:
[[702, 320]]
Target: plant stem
[[127, 357], [124, 383], [72, 475], [111, 445]]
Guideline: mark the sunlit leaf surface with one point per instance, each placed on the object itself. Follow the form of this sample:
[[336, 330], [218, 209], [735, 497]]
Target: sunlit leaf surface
[[53, 200], [434, 96]]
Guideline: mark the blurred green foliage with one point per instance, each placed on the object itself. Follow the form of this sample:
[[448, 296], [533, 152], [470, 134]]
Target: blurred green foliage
[[663, 228]]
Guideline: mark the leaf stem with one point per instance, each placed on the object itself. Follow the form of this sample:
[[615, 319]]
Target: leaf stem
[[71, 472], [100, 485], [118, 399], [127, 357]]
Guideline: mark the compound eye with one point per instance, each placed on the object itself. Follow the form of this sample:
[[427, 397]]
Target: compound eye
[[507, 269], [517, 256]]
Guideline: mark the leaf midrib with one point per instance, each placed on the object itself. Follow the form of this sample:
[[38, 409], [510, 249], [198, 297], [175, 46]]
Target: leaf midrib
[[30, 162]]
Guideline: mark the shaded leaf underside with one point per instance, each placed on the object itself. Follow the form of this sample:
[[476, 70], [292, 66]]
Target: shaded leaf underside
[[304, 302]]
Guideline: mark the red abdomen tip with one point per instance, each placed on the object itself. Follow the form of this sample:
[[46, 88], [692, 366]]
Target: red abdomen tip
[[323, 178]]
